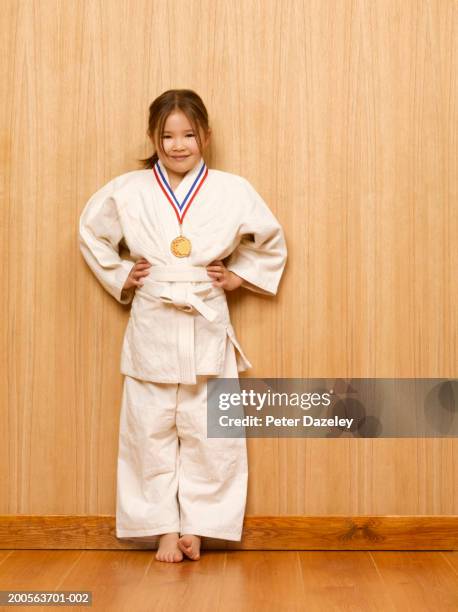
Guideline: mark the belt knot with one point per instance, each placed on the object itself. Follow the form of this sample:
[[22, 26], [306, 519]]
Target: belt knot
[[187, 298]]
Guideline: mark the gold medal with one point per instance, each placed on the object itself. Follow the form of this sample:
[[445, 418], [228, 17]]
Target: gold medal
[[180, 246]]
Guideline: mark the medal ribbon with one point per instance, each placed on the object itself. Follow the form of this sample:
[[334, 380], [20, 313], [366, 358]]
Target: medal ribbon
[[180, 209]]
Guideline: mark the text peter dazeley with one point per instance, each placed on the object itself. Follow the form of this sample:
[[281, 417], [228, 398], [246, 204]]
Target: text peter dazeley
[[271, 421]]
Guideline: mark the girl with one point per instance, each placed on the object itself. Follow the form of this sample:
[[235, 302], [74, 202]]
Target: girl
[[193, 233]]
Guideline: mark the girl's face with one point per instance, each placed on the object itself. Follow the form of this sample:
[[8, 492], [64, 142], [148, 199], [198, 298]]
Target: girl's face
[[180, 144]]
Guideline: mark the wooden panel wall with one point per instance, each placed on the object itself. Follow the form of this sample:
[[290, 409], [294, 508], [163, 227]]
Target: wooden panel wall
[[343, 114]]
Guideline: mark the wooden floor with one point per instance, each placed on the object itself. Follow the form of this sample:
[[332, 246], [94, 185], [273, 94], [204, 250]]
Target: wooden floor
[[241, 580]]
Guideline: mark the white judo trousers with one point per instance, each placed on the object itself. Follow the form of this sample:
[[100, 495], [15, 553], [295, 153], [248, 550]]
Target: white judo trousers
[[171, 477]]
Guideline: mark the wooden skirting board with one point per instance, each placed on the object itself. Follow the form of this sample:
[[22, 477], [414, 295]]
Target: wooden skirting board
[[365, 532]]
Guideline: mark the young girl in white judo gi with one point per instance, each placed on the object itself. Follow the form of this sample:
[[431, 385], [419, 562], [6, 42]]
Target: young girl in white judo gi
[[193, 233]]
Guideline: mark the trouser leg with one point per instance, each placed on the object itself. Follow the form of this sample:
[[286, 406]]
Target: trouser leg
[[213, 472], [147, 475]]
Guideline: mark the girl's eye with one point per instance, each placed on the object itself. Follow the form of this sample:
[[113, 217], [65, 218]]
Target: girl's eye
[[187, 136]]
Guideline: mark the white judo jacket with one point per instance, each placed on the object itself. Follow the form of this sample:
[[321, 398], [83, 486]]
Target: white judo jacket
[[179, 322]]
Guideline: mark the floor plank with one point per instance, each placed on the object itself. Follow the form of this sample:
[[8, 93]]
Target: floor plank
[[134, 580], [418, 580], [36, 569], [262, 580], [343, 580], [241, 581]]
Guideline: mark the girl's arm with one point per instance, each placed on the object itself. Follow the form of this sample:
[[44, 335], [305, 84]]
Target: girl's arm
[[261, 255], [100, 233]]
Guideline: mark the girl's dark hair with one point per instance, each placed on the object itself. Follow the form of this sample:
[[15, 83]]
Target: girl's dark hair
[[185, 100]]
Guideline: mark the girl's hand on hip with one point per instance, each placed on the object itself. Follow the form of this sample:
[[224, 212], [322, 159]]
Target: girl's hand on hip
[[139, 270], [222, 276]]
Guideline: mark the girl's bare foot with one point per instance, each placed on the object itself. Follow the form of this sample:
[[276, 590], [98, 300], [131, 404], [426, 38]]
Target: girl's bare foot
[[168, 548], [190, 545]]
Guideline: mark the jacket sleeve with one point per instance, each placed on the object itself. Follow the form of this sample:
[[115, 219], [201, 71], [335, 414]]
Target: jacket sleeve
[[261, 254], [100, 233]]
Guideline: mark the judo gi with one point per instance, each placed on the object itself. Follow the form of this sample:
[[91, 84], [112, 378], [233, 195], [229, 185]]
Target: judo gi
[[171, 477]]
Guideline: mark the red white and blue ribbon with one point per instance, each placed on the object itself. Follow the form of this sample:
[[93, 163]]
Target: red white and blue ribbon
[[180, 208]]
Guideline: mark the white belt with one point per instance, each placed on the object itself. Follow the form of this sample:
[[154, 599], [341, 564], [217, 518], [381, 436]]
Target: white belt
[[179, 273], [183, 297]]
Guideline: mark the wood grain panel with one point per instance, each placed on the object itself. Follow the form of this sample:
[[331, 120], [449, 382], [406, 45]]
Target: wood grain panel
[[343, 115]]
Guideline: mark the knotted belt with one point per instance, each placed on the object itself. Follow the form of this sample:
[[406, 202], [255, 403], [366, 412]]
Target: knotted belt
[[181, 293]]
